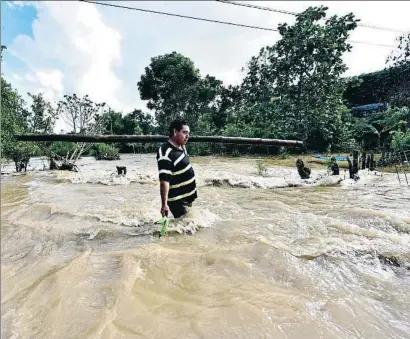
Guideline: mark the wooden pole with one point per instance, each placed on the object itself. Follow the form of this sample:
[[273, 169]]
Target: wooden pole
[[157, 138], [398, 177], [405, 175], [372, 164], [363, 160], [355, 162], [351, 171]]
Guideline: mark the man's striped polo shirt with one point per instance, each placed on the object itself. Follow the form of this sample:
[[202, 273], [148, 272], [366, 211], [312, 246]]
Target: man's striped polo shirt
[[174, 167]]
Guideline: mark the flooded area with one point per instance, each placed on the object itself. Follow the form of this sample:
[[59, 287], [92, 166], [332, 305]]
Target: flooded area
[[256, 257]]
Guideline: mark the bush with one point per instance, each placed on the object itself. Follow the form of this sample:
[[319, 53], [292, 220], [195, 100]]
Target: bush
[[62, 148], [283, 153], [261, 168], [401, 141], [235, 153], [105, 152]]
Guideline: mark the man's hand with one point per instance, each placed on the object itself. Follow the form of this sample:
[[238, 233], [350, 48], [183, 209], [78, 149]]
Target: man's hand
[[164, 210], [164, 188]]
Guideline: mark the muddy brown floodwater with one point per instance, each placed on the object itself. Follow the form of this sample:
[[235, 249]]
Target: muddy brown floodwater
[[254, 258]]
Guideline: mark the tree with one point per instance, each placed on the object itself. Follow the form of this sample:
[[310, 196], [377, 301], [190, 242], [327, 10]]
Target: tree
[[401, 55], [2, 47], [80, 114], [83, 116], [174, 89], [113, 122], [297, 82], [167, 85], [205, 105], [399, 60], [14, 120], [138, 122], [43, 116]]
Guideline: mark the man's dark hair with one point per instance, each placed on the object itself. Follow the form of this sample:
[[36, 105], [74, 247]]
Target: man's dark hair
[[176, 124]]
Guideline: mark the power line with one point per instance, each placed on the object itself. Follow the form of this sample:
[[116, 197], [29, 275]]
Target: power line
[[179, 15], [211, 20], [371, 43], [270, 9], [258, 7]]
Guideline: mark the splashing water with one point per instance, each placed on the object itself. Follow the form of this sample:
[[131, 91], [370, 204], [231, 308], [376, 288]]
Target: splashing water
[[255, 257]]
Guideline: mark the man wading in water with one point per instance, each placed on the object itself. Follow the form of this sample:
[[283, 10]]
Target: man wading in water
[[176, 175]]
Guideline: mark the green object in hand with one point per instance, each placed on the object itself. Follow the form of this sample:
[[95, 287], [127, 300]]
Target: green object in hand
[[164, 222]]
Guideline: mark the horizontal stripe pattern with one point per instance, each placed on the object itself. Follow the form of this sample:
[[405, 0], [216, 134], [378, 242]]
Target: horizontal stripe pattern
[[165, 171], [182, 171], [178, 172], [182, 196], [182, 183], [181, 190]]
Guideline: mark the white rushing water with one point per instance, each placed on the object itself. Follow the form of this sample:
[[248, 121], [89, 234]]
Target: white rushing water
[[256, 257]]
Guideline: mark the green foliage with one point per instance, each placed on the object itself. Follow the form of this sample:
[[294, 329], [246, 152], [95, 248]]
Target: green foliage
[[2, 48], [62, 148], [401, 55], [328, 164], [391, 84], [283, 153], [140, 123], [43, 116], [261, 168], [82, 115], [201, 149], [235, 153], [297, 82], [291, 90], [387, 85], [377, 130], [105, 152], [112, 122], [401, 141], [15, 119], [174, 89], [399, 59]]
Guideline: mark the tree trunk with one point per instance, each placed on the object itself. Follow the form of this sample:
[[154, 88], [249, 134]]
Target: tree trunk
[[355, 162], [303, 171], [156, 138], [364, 160], [372, 164], [351, 171]]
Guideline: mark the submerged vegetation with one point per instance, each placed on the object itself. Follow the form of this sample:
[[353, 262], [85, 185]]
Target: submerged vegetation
[[293, 89]]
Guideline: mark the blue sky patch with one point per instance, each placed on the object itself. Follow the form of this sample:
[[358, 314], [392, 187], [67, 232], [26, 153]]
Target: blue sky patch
[[16, 20]]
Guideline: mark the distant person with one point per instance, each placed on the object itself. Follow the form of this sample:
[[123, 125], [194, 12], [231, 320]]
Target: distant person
[[176, 175]]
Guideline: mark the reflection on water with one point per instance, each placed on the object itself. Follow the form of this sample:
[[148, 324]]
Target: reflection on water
[[255, 258]]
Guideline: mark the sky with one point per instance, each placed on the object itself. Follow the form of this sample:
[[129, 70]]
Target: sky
[[58, 47]]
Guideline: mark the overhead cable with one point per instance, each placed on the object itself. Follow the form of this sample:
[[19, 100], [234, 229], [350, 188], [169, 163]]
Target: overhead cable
[[211, 20]]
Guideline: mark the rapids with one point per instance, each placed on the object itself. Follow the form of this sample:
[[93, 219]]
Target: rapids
[[256, 257]]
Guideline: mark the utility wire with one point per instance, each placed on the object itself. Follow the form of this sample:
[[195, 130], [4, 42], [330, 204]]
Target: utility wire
[[216, 21], [270, 9], [258, 7], [179, 15]]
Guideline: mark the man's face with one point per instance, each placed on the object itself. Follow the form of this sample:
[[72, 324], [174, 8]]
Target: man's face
[[182, 136]]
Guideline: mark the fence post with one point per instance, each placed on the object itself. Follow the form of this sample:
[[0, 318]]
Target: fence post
[[371, 165], [363, 160], [355, 162]]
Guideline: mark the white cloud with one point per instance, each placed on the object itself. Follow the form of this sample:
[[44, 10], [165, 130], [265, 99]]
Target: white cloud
[[72, 51], [20, 4], [102, 51]]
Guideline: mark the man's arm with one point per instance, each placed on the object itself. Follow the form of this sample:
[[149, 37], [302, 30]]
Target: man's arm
[[164, 188], [165, 173]]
